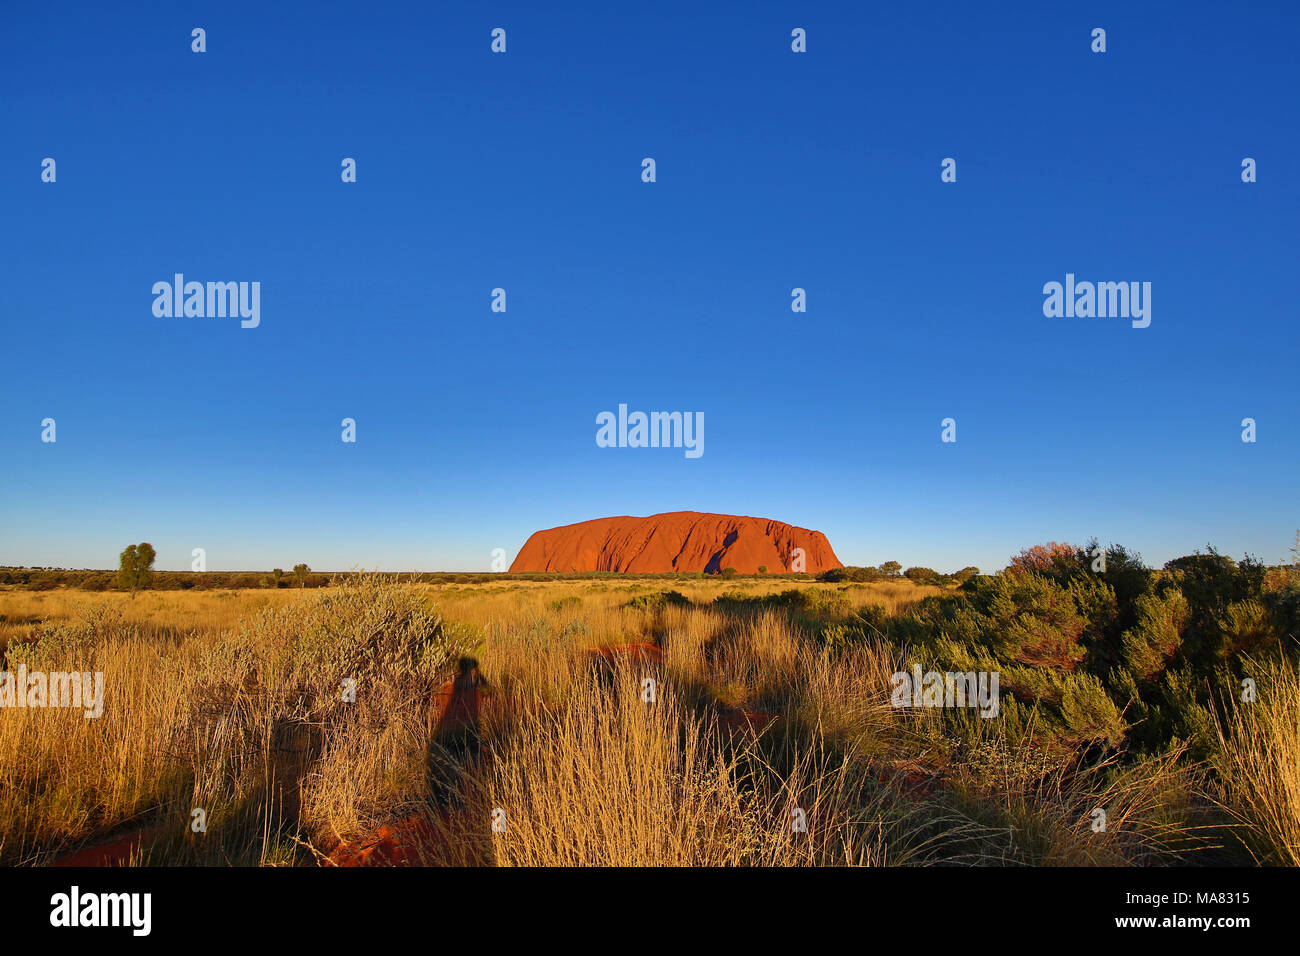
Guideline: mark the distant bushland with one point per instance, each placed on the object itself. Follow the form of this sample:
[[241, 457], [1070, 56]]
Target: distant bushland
[[44, 579]]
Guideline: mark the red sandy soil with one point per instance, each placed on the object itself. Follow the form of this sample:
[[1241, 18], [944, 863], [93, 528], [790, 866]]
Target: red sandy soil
[[114, 853], [909, 778], [638, 653], [456, 704], [755, 720], [685, 541], [395, 844]]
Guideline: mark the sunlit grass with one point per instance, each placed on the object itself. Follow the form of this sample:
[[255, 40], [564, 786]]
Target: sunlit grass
[[230, 702]]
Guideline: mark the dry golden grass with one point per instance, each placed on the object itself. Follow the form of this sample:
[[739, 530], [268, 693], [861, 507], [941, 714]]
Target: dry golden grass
[[228, 721], [230, 701], [611, 780], [163, 613], [1259, 760]]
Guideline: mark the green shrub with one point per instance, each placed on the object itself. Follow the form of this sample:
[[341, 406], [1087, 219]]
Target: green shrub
[[850, 573], [922, 575], [659, 600], [1150, 645]]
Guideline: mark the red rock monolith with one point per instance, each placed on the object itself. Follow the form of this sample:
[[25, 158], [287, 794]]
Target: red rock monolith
[[685, 541]]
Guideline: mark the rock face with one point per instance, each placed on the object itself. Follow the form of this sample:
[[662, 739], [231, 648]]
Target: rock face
[[676, 541]]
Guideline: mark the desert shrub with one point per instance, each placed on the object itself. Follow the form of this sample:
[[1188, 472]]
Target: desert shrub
[[1120, 570], [965, 574], [1033, 632], [351, 762], [866, 626], [1212, 582], [853, 574], [567, 603], [1033, 621], [58, 645], [810, 607], [659, 600], [1129, 578], [1088, 715], [1245, 627], [369, 630], [1283, 602], [1053, 557], [1181, 711], [1150, 645], [97, 581], [922, 575]]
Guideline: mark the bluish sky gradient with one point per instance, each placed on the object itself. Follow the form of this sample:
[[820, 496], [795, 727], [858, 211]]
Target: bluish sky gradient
[[523, 170]]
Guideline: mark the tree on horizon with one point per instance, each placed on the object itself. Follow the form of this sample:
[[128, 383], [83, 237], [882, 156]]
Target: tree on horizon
[[135, 566]]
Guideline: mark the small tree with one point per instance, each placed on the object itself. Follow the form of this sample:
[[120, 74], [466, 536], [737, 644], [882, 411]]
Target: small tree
[[919, 575], [300, 571], [135, 566], [1044, 558], [891, 569], [276, 575], [762, 569]]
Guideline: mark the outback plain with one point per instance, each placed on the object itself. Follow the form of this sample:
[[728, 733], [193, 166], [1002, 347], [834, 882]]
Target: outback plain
[[1144, 716]]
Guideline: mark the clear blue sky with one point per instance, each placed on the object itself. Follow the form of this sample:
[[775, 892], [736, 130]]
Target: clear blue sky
[[523, 171]]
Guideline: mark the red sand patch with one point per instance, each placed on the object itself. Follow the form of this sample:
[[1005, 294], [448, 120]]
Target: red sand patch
[[637, 653], [455, 708], [402, 843], [909, 778], [114, 853], [755, 720], [455, 705]]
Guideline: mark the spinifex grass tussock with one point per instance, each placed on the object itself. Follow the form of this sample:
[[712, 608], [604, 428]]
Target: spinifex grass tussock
[[1259, 763]]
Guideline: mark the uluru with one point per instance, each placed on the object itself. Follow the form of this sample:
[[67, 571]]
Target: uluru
[[685, 541]]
